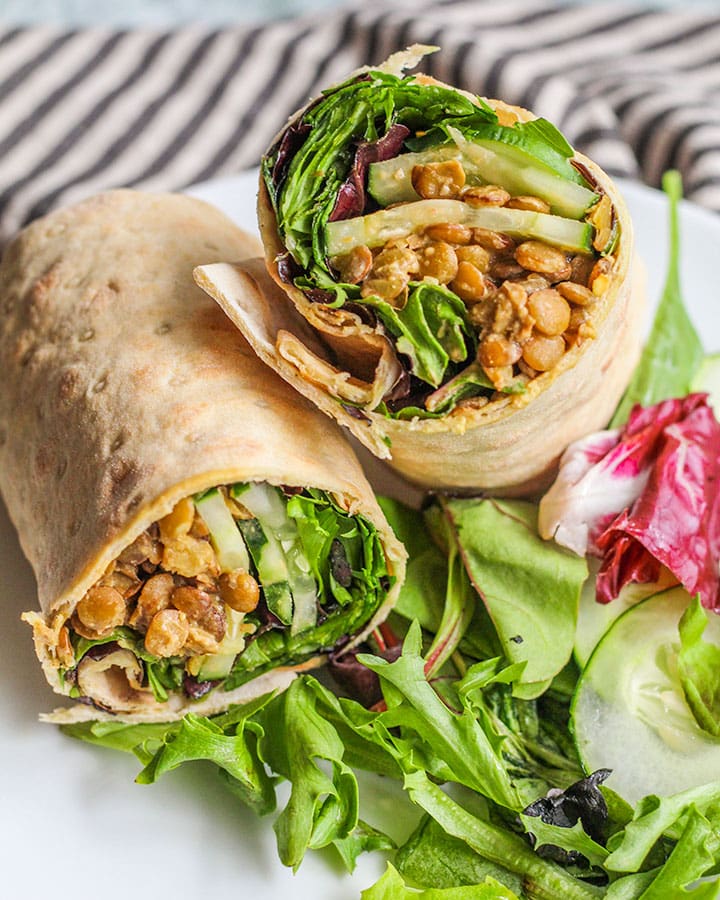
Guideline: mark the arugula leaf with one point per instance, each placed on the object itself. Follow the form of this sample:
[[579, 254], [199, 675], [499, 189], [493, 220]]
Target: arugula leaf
[[392, 887], [690, 859], [673, 352], [530, 587], [574, 839], [432, 329], [472, 756], [699, 668], [423, 591], [144, 739], [236, 754]]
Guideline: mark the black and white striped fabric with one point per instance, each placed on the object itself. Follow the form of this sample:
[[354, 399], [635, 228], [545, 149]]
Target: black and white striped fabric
[[85, 110]]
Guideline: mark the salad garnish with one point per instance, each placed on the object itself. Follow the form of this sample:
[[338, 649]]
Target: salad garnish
[[481, 699]]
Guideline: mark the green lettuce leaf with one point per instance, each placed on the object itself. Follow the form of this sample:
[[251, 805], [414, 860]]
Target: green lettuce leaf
[[432, 329], [422, 594], [699, 668], [363, 839], [471, 754], [673, 352], [236, 753], [497, 844], [323, 807], [570, 839], [432, 858], [144, 740], [692, 856], [392, 887], [530, 587], [655, 817]]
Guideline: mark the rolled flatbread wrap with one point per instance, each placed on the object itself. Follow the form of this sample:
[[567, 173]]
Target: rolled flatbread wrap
[[454, 283], [198, 531]]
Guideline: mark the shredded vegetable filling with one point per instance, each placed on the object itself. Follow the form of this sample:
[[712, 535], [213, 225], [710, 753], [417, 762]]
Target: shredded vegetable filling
[[477, 241], [230, 584]]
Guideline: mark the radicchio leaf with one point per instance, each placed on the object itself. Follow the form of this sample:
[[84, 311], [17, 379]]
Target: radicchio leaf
[[196, 689], [292, 140], [644, 497], [351, 196], [355, 679]]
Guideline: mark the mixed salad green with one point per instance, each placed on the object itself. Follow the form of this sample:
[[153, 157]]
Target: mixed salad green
[[482, 697]]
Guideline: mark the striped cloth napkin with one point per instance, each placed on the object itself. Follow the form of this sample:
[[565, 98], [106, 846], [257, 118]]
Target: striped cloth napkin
[[84, 110]]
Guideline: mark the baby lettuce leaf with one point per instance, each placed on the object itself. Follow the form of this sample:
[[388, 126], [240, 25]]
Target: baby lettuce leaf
[[363, 839], [699, 668], [472, 756], [432, 329], [432, 858], [673, 352], [655, 817], [531, 588], [236, 753], [497, 844], [690, 859], [322, 807], [423, 592], [392, 887], [143, 739], [574, 840]]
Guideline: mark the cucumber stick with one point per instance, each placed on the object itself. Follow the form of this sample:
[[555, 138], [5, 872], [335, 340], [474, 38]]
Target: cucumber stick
[[292, 589], [490, 162], [629, 712], [376, 229], [226, 539], [271, 567]]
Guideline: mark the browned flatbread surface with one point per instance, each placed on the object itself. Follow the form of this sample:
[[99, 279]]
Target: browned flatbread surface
[[125, 389]]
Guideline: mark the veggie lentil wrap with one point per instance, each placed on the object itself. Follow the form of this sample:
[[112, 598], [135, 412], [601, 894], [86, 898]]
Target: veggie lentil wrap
[[462, 290], [198, 531]]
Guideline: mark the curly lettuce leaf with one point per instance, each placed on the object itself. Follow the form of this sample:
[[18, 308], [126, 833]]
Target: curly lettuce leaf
[[472, 756], [496, 844], [392, 887], [363, 839], [323, 806], [699, 668], [432, 858]]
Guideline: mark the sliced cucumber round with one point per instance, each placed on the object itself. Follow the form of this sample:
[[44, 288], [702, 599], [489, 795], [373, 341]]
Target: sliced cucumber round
[[629, 712], [595, 619], [707, 380]]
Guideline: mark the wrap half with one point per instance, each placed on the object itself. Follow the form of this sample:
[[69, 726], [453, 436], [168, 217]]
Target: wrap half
[[454, 283], [198, 531]]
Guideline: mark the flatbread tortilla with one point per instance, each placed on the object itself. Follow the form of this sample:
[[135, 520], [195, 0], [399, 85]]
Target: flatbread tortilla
[[127, 389]]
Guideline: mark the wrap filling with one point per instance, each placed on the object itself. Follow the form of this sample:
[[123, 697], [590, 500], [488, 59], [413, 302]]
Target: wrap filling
[[475, 242], [233, 582]]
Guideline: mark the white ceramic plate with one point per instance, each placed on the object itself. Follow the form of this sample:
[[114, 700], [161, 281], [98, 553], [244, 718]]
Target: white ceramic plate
[[73, 823]]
